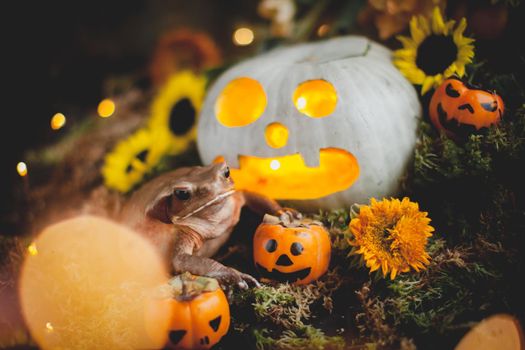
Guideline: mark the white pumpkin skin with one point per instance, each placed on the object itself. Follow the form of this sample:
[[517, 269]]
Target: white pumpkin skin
[[375, 118]]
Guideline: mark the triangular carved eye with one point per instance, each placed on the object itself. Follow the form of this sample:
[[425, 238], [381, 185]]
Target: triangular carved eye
[[215, 323], [176, 336]]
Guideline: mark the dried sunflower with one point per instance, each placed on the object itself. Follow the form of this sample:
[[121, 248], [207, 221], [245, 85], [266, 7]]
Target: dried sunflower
[[391, 235], [391, 17], [175, 109], [132, 158], [181, 49], [435, 51]]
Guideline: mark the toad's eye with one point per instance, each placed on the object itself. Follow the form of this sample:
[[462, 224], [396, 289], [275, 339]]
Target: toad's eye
[[227, 172], [182, 195]]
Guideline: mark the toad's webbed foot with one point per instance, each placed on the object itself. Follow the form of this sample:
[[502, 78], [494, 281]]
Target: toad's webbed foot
[[200, 266], [288, 215], [228, 276]]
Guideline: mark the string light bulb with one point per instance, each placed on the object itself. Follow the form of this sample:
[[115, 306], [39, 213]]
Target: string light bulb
[[243, 36], [106, 108], [21, 168], [58, 121], [32, 249]]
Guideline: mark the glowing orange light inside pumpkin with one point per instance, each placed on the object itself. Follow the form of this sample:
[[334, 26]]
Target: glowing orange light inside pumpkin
[[315, 98], [106, 108], [240, 103], [276, 135], [287, 177], [88, 286]]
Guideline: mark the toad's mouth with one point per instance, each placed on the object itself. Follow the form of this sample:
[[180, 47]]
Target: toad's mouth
[[279, 276], [288, 177]]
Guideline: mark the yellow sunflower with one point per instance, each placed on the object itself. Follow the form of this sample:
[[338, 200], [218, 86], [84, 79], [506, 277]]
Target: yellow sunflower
[[175, 109], [132, 158], [391, 235], [435, 51]]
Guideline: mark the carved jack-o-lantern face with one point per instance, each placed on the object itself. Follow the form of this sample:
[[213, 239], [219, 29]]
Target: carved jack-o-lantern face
[[323, 125], [298, 254], [459, 110], [198, 319]]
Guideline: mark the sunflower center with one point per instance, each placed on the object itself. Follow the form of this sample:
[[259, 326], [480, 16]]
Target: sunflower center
[[182, 117], [436, 53]]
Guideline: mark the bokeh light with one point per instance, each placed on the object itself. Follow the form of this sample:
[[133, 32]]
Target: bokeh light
[[106, 108], [21, 169], [88, 286], [58, 121], [323, 30], [32, 249], [243, 37]]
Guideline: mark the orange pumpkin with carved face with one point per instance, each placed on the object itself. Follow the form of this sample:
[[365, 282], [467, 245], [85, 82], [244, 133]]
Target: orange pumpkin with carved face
[[459, 110], [296, 252], [199, 313]]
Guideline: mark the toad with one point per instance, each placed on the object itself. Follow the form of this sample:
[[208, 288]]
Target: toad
[[189, 213]]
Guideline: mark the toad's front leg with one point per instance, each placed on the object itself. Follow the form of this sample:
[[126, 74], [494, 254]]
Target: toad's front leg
[[184, 260]]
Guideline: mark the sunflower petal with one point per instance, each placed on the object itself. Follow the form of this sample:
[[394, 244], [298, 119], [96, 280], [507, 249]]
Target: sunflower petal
[[458, 32], [460, 70], [424, 25], [427, 84], [407, 42], [405, 54], [393, 274], [417, 34], [438, 25]]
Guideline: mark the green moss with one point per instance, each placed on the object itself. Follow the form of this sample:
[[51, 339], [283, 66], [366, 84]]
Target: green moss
[[306, 337], [337, 223], [287, 305]]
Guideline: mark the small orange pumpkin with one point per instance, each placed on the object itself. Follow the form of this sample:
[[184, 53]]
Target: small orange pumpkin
[[296, 251], [199, 313], [459, 110]]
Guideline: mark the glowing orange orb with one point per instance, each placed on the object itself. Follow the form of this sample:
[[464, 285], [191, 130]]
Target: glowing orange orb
[[88, 286]]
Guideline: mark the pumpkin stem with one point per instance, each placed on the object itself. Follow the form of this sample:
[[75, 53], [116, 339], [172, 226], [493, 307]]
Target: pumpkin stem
[[186, 286], [288, 221]]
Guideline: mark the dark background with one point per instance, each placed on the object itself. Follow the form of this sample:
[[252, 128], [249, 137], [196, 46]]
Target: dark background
[[57, 55]]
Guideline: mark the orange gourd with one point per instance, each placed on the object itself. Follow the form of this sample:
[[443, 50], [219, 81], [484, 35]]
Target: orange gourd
[[199, 317], [296, 252], [459, 110]]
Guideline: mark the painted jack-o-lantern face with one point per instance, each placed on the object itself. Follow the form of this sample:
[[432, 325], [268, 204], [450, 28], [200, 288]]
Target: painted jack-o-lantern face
[[297, 252], [459, 110], [199, 317], [328, 124]]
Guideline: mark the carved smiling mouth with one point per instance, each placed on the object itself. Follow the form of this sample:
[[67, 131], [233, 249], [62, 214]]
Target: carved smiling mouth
[[287, 177], [453, 124], [279, 276]]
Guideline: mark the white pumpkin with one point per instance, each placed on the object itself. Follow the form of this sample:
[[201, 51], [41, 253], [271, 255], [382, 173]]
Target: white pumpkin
[[338, 105]]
